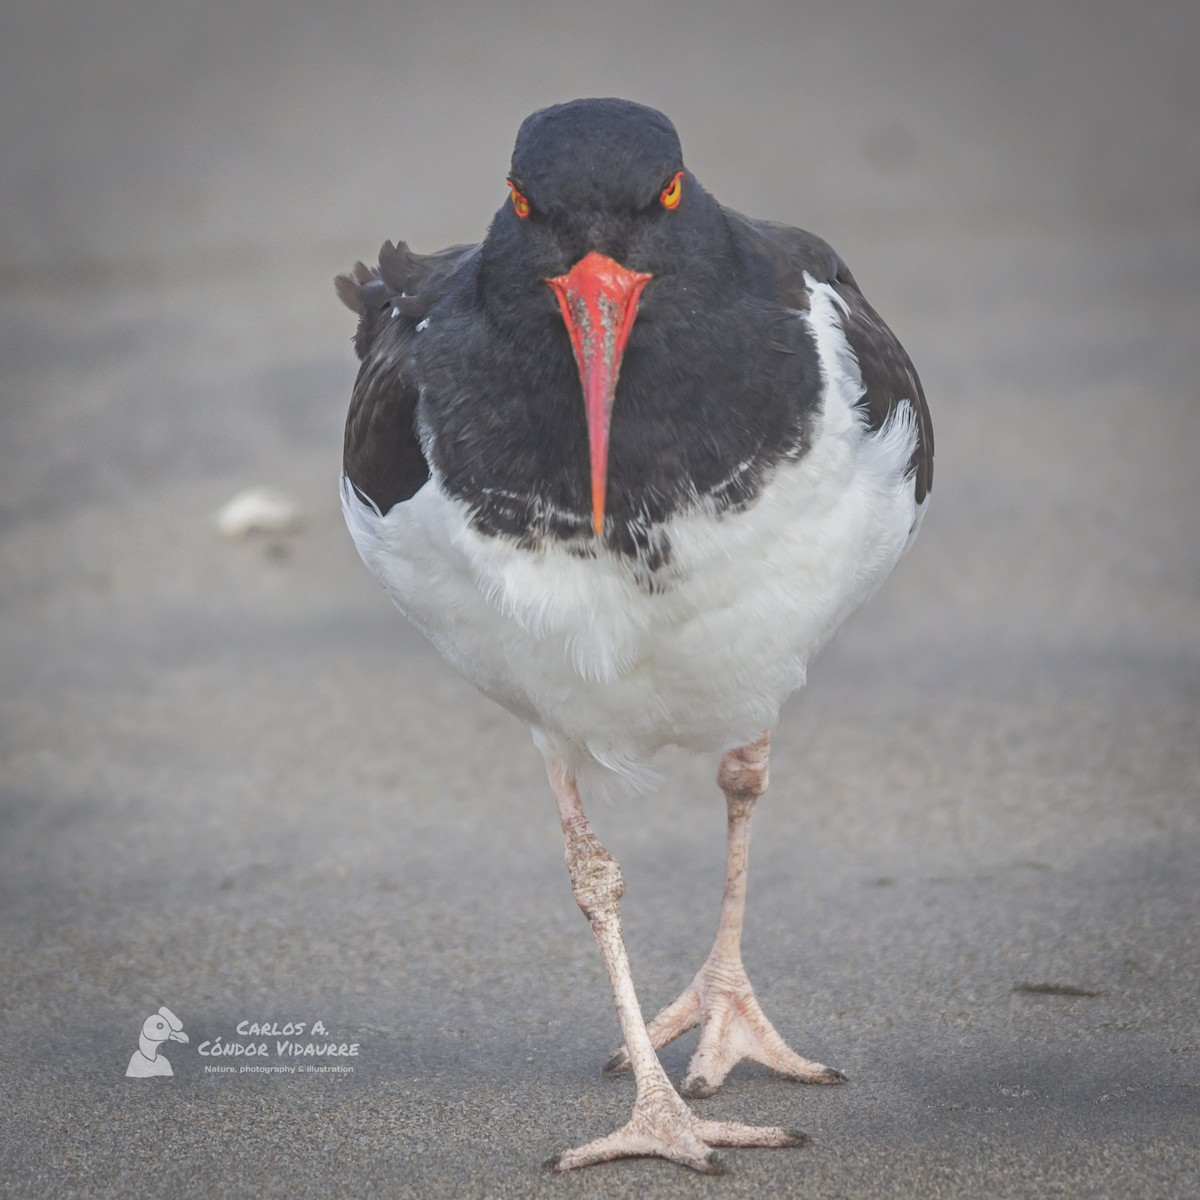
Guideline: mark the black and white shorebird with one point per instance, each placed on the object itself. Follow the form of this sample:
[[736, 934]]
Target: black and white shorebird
[[629, 463]]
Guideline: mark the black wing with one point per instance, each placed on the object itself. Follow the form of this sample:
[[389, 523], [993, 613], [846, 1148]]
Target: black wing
[[382, 455], [888, 374]]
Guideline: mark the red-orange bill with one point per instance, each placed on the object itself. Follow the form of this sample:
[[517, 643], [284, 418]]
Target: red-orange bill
[[598, 298]]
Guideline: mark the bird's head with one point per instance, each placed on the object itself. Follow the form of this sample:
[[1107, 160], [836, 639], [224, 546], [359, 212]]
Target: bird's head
[[602, 219]]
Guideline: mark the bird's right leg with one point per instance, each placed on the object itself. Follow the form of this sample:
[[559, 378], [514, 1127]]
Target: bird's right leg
[[661, 1124], [720, 999]]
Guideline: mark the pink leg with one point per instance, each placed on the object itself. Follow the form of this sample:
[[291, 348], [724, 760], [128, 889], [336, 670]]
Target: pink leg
[[720, 999], [661, 1123]]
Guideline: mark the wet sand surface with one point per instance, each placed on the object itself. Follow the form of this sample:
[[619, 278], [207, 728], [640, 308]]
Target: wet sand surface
[[233, 782]]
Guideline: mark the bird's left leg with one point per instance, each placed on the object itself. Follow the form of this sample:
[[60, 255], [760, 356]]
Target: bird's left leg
[[720, 998], [661, 1124]]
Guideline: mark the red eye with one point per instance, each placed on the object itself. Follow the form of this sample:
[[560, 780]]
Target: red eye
[[673, 192], [519, 203]]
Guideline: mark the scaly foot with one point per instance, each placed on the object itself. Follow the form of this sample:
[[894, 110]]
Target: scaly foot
[[732, 1027], [664, 1127]]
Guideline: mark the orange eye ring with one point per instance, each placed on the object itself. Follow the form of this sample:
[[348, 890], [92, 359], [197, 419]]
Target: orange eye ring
[[673, 192], [519, 203]]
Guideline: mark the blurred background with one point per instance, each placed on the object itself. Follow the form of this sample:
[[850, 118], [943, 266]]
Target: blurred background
[[233, 782]]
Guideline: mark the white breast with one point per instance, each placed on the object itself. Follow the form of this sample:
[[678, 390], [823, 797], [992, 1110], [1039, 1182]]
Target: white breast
[[604, 669]]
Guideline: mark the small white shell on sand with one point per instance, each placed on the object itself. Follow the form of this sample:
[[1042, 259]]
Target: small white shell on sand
[[258, 510]]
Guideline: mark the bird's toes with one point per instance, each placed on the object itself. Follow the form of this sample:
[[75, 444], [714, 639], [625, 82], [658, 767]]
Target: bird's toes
[[733, 1133], [618, 1062], [829, 1075]]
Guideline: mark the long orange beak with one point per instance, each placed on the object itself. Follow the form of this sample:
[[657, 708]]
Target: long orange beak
[[599, 300]]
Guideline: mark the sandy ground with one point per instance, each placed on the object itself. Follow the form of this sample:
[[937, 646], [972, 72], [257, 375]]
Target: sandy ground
[[232, 782]]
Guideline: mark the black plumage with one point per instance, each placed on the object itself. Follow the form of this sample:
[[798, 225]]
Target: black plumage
[[468, 346]]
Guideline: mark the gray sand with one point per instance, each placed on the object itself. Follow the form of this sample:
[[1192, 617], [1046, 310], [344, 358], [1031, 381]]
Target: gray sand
[[234, 783]]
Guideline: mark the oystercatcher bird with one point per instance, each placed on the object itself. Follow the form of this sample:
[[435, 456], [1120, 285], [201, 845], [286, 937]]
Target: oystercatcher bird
[[628, 463]]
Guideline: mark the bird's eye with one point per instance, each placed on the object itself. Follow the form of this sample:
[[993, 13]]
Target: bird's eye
[[673, 192], [519, 203]]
